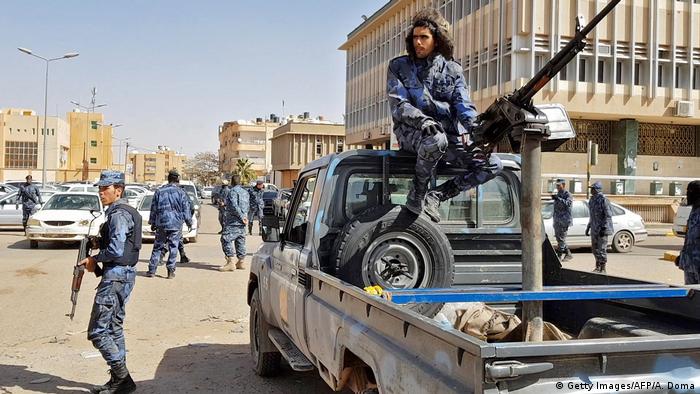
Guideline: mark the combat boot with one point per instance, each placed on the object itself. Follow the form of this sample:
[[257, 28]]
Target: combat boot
[[106, 386], [602, 268], [184, 259], [122, 383], [414, 199], [229, 265], [171, 274], [435, 196], [239, 264], [568, 255]]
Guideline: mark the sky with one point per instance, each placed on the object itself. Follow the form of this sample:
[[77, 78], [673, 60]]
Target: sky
[[172, 71]]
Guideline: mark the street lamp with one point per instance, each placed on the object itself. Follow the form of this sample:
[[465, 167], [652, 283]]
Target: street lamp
[[46, 101]]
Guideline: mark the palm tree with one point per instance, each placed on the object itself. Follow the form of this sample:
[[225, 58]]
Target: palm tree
[[245, 171]]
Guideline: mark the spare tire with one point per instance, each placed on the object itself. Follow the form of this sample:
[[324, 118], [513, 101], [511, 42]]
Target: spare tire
[[391, 247]]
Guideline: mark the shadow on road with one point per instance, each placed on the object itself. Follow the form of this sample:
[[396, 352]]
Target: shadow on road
[[20, 376], [24, 244], [223, 368]]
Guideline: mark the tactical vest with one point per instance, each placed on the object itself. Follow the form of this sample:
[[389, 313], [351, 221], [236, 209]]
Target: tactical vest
[[132, 245]]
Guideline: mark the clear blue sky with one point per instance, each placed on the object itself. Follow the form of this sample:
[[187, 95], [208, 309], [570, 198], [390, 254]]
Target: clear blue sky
[[172, 71]]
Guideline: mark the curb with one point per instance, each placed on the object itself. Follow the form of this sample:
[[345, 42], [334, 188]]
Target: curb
[[670, 255]]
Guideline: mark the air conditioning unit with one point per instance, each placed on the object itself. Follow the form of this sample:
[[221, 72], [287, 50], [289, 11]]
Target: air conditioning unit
[[604, 49], [684, 109]]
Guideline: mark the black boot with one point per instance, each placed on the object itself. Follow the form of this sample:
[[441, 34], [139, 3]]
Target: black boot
[[184, 258], [415, 197], [171, 274], [122, 383], [567, 255], [602, 268], [597, 267], [106, 386], [434, 197]]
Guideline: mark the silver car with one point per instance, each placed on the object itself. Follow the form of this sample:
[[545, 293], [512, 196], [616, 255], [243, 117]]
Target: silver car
[[11, 209], [680, 222], [628, 227]]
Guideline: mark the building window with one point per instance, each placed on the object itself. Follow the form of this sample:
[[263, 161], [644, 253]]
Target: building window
[[582, 70], [637, 73], [563, 74], [660, 76], [93, 160], [339, 145], [20, 154], [93, 144], [696, 77], [319, 146], [618, 73]]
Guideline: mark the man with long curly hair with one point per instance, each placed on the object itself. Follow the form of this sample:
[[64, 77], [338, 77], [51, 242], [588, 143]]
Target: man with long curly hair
[[432, 114]]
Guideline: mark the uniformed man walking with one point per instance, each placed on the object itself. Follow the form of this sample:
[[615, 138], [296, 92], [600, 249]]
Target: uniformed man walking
[[255, 197], [236, 218], [600, 226], [562, 218], [433, 114], [30, 197], [120, 242], [169, 210], [689, 258], [220, 201]]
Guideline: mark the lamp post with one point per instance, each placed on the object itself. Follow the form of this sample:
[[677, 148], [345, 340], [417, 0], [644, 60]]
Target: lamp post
[[46, 102], [92, 107]]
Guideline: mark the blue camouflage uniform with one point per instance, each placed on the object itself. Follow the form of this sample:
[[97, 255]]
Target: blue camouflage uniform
[[29, 196], [234, 226], [255, 197], [221, 203], [120, 243], [600, 225], [562, 219], [433, 90], [169, 210], [689, 258]]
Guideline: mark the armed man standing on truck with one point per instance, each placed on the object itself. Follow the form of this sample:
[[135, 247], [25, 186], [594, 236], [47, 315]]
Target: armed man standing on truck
[[255, 197], [169, 210], [30, 197], [120, 242], [235, 220], [599, 225], [562, 218], [429, 102], [689, 258]]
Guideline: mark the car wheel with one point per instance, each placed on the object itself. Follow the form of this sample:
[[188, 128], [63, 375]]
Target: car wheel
[[623, 242], [392, 248], [266, 363], [33, 244]]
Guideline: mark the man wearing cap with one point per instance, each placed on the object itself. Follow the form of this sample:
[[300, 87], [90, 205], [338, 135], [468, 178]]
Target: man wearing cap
[[120, 242], [169, 210], [236, 218], [689, 258], [256, 206], [599, 225], [220, 202], [29, 196], [562, 218]]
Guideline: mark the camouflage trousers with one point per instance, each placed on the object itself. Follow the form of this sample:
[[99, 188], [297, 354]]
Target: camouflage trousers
[[450, 149], [165, 240], [235, 235], [105, 329], [26, 213], [599, 246], [560, 233]]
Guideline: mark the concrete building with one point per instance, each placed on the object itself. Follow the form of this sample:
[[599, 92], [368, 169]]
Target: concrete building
[[634, 90], [250, 140], [90, 146], [299, 142], [153, 167], [21, 145]]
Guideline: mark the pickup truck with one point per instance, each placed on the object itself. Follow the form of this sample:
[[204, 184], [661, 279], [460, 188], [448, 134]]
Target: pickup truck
[[345, 229]]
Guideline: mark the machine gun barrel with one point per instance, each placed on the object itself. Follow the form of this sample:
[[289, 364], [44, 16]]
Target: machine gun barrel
[[78, 272]]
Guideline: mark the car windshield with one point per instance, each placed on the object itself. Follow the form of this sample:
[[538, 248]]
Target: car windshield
[[146, 203], [81, 202]]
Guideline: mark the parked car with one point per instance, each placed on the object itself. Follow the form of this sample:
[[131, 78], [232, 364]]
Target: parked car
[[206, 192], [680, 222], [79, 187], [6, 189], [144, 209], [628, 227], [11, 209], [66, 216]]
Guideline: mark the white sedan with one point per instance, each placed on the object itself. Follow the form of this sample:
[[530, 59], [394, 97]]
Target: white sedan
[[144, 209], [628, 227], [11, 209], [67, 217]]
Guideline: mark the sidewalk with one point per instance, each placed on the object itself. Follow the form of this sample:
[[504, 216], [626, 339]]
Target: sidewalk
[[659, 229]]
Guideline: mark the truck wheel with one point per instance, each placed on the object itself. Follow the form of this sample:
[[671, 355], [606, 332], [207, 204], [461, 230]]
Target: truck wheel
[[392, 248], [623, 242], [266, 364]]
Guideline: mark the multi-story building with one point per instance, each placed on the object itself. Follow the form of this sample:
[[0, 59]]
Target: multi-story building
[[299, 142], [22, 145], [634, 90], [90, 145], [246, 140], [153, 167]]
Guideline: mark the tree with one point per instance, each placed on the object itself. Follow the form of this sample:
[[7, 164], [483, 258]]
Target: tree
[[203, 168], [244, 169]]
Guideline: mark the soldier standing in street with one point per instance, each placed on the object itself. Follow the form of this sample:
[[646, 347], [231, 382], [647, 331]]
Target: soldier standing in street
[[236, 218], [689, 258], [433, 114], [562, 218], [29, 196], [169, 210], [256, 206], [220, 201], [120, 242], [599, 226]]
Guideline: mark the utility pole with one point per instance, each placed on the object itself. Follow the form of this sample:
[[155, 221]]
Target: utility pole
[[126, 162]]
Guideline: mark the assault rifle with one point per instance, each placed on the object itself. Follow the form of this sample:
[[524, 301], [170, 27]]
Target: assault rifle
[[86, 246], [517, 109]]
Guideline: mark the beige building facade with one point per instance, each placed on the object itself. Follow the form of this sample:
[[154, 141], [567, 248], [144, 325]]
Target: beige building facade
[[250, 140], [298, 142], [153, 167], [634, 90], [22, 145], [90, 146]]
